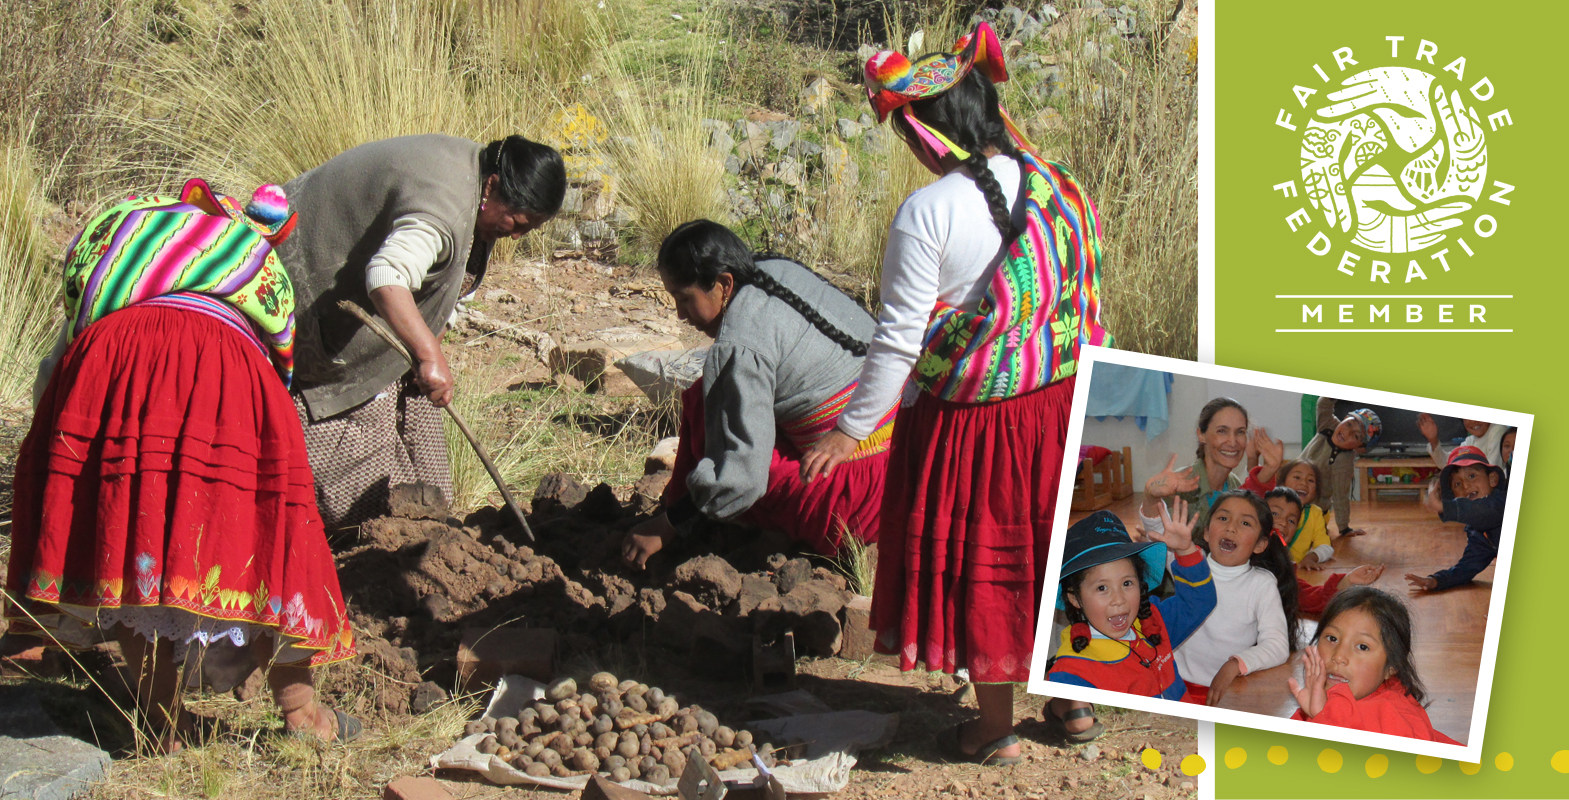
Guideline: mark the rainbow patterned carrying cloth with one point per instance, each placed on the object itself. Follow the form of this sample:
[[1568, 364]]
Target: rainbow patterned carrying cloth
[[205, 243], [815, 424]]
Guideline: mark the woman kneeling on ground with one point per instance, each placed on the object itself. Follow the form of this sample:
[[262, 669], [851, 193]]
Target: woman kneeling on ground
[[163, 495], [787, 350]]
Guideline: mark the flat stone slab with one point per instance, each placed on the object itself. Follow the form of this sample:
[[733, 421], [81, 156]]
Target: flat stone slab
[[48, 767]]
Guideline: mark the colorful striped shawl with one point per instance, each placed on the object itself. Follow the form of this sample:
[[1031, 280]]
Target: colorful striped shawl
[[152, 246], [815, 424], [1042, 303]]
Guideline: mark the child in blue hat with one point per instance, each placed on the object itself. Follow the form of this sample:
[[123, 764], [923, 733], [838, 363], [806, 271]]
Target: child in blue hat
[[1120, 637]]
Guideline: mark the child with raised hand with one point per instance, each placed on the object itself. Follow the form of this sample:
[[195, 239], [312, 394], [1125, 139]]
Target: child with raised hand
[[1484, 435], [1359, 674], [1333, 450], [1307, 545], [1120, 637], [1254, 625], [1472, 491]]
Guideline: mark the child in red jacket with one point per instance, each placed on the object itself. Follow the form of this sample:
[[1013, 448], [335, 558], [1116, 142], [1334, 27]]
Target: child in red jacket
[[1360, 675]]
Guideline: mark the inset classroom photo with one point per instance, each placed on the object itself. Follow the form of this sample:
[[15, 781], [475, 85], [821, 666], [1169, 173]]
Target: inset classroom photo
[[1280, 553]]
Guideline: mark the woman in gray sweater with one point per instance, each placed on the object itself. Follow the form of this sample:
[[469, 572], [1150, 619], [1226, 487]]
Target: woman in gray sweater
[[786, 355]]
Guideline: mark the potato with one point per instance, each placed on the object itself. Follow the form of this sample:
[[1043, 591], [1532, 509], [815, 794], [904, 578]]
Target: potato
[[568, 725], [608, 740], [638, 688], [707, 747], [561, 771], [550, 758], [584, 739], [603, 724], [621, 774], [561, 689], [567, 707], [625, 685], [529, 713], [602, 682], [707, 723], [503, 753], [627, 746], [588, 702], [533, 748], [473, 727], [604, 753], [674, 761], [658, 775], [487, 745], [633, 768], [743, 738], [490, 724], [686, 724], [666, 707], [564, 745], [636, 702], [610, 706], [506, 724], [640, 729], [546, 713], [645, 743], [508, 738], [585, 760], [521, 761], [612, 761], [646, 763], [655, 694], [724, 737], [660, 730], [537, 770]]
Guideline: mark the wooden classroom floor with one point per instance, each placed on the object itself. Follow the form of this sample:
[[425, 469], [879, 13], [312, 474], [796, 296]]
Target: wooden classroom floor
[[1447, 626]]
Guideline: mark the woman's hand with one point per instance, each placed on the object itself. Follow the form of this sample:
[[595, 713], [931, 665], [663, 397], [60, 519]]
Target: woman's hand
[[829, 452], [1169, 482], [1363, 575], [434, 379], [1178, 528], [645, 539], [1218, 687], [1310, 693], [1271, 452]]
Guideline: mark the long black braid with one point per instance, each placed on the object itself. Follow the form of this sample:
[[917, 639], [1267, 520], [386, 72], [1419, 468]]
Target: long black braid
[[968, 115], [698, 252]]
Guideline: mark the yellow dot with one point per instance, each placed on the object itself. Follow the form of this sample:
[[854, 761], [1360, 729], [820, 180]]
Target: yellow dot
[[1329, 760], [1377, 765], [1278, 755], [1192, 765], [1236, 757], [1504, 762], [1427, 765], [1470, 768], [1560, 761], [1150, 757]]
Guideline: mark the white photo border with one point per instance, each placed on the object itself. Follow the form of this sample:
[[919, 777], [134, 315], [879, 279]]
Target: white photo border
[[1472, 751]]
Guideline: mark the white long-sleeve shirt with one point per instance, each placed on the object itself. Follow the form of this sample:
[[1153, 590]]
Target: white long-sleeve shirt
[[1248, 622], [943, 246], [406, 256]]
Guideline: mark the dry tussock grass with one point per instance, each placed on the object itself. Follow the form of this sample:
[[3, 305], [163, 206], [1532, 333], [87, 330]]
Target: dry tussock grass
[[28, 290]]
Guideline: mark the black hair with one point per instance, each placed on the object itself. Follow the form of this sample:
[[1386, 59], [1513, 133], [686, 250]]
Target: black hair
[[1318, 477], [1287, 493], [1275, 558], [530, 175], [1394, 627], [1071, 584], [699, 251], [968, 115], [1208, 412]]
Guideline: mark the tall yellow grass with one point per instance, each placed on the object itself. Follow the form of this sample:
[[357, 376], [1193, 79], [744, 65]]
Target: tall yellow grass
[[28, 288]]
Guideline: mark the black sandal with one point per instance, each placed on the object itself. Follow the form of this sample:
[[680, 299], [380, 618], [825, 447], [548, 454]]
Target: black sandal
[[986, 756], [1089, 734]]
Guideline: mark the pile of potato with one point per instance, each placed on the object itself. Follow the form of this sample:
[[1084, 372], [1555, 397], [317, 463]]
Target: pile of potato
[[623, 729]]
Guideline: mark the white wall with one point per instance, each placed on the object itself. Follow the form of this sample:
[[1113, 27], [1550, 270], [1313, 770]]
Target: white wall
[[1278, 411]]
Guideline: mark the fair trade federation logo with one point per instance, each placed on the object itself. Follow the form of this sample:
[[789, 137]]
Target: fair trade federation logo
[[1394, 186]]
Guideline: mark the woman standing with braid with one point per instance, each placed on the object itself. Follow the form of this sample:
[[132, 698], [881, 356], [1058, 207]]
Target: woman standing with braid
[[989, 287], [786, 353]]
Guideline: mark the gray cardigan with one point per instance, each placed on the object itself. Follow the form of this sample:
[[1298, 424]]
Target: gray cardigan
[[346, 208], [767, 365]]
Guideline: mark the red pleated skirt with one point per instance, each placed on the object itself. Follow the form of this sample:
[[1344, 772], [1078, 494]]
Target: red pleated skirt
[[165, 469], [966, 521]]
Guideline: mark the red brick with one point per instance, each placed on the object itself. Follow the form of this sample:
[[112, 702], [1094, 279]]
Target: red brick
[[409, 787], [486, 654]]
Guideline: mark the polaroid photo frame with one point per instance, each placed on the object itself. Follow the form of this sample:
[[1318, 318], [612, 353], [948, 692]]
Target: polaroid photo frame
[[1045, 644]]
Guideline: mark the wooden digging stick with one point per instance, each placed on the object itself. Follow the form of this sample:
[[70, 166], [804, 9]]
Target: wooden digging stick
[[484, 457]]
